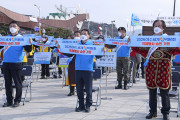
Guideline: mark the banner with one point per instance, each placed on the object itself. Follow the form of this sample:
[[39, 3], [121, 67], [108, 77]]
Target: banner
[[139, 20], [40, 38], [151, 50], [112, 41], [98, 42], [29, 35], [108, 60], [155, 41], [82, 49], [63, 61], [42, 57], [14, 41], [68, 41], [47, 44]]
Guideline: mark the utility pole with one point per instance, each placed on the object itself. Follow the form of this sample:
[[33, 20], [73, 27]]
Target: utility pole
[[174, 10], [112, 28], [106, 33]]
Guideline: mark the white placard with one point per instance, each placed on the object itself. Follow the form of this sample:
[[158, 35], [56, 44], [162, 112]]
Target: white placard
[[108, 60], [144, 20], [42, 57]]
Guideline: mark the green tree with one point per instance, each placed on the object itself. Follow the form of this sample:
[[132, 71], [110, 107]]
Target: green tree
[[63, 33], [59, 32], [49, 31], [4, 30]]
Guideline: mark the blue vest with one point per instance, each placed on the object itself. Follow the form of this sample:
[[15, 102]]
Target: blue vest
[[84, 62], [124, 51], [14, 54]]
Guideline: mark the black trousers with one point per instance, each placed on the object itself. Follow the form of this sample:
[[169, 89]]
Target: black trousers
[[45, 70], [13, 71], [72, 89], [59, 71], [84, 78], [165, 100]]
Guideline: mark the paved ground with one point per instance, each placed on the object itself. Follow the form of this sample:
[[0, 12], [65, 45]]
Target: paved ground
[[50, 102]]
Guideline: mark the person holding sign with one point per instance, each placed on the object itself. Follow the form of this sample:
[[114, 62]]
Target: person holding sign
[[158, 72], [12, 66], [84, 73], [71, 68], [123, 60], [44, 67]]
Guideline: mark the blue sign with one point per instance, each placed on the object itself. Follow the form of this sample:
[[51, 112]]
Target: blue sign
[[36, 29]]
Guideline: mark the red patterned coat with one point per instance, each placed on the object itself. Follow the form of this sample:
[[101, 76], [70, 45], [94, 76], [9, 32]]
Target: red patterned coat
[[158, 71]]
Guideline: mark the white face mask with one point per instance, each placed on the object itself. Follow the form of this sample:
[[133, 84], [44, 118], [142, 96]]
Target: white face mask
[[78, 38], [44, 39], [157, 30], [84, 37], [119, 33], [13, 30]]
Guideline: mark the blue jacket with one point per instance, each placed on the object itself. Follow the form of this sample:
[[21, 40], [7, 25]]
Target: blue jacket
[[84, 62], [14, 54], [124, 51]]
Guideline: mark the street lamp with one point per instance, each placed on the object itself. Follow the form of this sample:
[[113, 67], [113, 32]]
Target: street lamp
[[174, 10], [127, 25], [112, 28], [39, 21], [159, 12]]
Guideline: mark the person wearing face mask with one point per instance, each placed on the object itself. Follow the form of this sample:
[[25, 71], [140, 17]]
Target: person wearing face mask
[[84, 73], [71, 68], [158, 73], [123, 60], [100, 38], [12, 66], [44, 67]]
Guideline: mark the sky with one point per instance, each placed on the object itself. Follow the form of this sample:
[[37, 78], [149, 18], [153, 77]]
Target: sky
[[102, 11]]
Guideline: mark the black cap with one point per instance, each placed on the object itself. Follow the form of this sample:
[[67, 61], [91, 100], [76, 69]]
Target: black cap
[[122, 28], [100, 37]]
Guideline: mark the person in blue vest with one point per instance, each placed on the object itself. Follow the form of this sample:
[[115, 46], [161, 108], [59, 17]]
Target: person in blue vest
[[123, 60], [12, 66], [84, 73]]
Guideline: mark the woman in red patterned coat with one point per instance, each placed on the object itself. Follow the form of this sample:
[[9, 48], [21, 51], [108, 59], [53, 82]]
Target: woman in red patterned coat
[[158, 73]]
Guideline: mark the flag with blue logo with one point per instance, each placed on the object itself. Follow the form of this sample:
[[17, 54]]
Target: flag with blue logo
[[135, 21]]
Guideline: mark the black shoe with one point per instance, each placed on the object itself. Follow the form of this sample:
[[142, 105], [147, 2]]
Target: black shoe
[[166, 117], [7, 104], [134, 81], [16, 104], [151, 115], [70, 94], [42, 77], [79, 109], [118, 87], [60, 76], [87, 109], [125, 85]]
